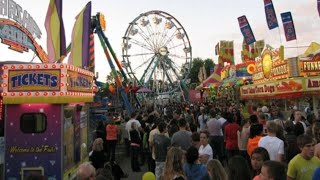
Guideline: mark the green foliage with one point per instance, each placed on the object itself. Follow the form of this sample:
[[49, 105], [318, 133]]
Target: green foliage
[[196, 64], [208, 64], [195, 68]]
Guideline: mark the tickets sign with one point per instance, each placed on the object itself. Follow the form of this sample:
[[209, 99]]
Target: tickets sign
[[30, 80], [79, 82], [46, 83]]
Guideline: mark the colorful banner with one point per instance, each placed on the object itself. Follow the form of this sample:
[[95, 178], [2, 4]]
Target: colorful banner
[[226, 52], [80, 38], [288, 26], [245, 53], [56, 40], [246, 30], [270, 14]]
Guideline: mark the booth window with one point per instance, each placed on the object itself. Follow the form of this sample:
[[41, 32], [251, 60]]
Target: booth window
[[33, 122]]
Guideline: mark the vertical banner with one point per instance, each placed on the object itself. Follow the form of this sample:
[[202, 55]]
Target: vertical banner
[[246, 30], [231, 52], [245, 52], [270, 14], [79, 54], [318, 5], [56, 40], [216, 48], [288, 26]]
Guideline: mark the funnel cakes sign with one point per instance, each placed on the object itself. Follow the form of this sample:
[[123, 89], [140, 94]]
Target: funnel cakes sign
[[310, 67], [270, 67]]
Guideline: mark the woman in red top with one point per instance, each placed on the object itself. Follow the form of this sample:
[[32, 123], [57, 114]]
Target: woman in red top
[[112, 139], [231, 137]]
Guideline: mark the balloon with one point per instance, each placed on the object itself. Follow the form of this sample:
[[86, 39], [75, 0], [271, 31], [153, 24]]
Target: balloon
[[148, 176]]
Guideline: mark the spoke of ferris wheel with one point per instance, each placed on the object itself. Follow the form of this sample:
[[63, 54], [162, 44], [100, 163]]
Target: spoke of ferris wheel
[[146, 70], [151, 31], [163, 76], [153, 69], [173, 68], [173, 64], [176, 46], [170, 38], [145, 37], [159, 35], [149, 59], [177, 56], [132, 55], [164, 31], [163, 35], [166, 73], [141, 44]]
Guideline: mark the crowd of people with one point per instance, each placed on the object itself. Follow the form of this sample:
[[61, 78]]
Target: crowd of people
[[211, 141]]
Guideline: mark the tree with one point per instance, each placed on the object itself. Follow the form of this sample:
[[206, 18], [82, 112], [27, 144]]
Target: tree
[[208, 64], [195, 68]]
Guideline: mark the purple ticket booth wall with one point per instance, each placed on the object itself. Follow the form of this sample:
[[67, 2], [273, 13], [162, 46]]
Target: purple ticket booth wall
[[33, 152]]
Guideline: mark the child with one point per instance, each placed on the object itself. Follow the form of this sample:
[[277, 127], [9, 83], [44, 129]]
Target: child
[[273, 170], [258, 156]]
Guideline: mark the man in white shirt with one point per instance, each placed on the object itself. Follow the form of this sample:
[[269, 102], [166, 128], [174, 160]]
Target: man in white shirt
[[129, 123], [272, 144]]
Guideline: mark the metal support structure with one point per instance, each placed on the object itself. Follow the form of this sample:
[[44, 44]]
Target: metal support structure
[[107, 47]]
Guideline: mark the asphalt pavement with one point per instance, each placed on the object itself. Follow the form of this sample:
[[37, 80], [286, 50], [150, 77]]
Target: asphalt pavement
[[125, 163]]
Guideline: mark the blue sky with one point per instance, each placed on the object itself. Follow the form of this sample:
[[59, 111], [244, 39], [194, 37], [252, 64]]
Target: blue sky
[[205, 21]]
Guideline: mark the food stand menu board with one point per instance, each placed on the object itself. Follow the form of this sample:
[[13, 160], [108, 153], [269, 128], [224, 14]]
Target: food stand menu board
[[270, 67], [273, 88]]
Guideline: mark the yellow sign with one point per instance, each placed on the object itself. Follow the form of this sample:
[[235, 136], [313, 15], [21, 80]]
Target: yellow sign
[[266, 64], [270, 66], [79, 82], [310, 67]]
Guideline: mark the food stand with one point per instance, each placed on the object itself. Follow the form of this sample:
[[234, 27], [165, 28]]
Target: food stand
[[293, 81]]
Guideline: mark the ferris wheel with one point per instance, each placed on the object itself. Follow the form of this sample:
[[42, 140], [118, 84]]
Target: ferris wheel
[[156, 52]]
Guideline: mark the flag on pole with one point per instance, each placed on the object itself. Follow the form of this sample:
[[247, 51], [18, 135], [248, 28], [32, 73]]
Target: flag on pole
[[80, 38], [56, 39], [217, 49], [288, 26], [270, 14], [246, 30]]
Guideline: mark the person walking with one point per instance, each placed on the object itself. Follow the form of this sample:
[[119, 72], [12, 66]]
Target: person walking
[[161, 144], [112, 139]]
